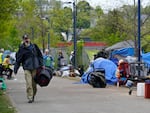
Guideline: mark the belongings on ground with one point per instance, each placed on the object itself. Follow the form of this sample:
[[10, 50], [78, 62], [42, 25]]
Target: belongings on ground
[[3, 85], [97, 79]]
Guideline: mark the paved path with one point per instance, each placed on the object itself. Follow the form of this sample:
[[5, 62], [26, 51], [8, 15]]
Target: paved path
[[64, 96]]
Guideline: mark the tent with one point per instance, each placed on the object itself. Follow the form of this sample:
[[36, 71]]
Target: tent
[[146, 58], [119, 45], [123, 52], [120, 50], [101, 63]]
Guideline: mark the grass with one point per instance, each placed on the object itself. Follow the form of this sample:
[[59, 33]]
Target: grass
[[91, 53], [5, 103]]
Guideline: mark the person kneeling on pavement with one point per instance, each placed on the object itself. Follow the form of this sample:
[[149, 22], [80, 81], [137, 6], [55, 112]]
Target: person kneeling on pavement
[[6, 67]]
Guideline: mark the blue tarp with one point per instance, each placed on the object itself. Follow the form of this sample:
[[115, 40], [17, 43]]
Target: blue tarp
[[101, 63], [146, 58], [124, 52]]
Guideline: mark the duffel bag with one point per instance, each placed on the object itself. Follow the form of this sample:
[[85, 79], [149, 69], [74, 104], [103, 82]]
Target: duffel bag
[[43, 76]]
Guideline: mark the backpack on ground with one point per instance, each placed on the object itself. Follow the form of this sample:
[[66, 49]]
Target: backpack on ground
[[97, 79]]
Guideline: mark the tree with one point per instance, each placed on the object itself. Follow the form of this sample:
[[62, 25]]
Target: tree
[[7, 11], [120, 24], [83, 15]]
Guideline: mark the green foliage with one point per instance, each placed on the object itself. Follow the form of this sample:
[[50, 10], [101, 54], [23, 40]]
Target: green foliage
[[28, 16], [99, 11], [79, 52], [146, 44], [7, 11], [61, 20], [113, 38], [8, 8], [83, 14], [83, 21], [91, 53]]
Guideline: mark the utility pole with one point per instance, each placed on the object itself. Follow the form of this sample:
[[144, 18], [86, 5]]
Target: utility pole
[[135, 31], [139, 36], [74, 31], [48, 44], [74, 34], [139, 30]]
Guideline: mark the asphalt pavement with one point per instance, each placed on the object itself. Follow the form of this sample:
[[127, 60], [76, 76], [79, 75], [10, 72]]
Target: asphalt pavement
[[63, 95]]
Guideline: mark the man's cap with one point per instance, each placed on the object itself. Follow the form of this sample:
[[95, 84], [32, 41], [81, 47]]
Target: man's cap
[[72, 52], [46, 50], [25, 36]]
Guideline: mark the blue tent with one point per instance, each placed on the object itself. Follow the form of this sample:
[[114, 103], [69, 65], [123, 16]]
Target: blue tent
[[120, 45], [146, 58], [124, 52], [101, 63]]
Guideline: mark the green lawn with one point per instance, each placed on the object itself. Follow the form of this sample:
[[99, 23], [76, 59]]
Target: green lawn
[[91, 53], [5, 104]]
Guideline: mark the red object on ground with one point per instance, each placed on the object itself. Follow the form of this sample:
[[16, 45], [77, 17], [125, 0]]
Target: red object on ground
[[147, 90]]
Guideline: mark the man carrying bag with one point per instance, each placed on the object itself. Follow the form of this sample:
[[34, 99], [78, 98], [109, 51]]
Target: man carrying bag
[[30, 57]]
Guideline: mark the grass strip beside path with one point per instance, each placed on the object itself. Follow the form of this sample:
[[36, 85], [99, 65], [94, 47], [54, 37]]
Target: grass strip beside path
[[5, 103]]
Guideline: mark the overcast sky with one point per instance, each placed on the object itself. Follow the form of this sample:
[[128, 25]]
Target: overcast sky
[[110, 4]]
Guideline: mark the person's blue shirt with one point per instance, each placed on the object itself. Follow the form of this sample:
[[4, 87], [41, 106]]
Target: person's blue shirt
[[48, 61]]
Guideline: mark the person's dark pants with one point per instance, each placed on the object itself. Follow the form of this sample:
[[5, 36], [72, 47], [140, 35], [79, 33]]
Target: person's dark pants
[[9, 73], [1, 70]]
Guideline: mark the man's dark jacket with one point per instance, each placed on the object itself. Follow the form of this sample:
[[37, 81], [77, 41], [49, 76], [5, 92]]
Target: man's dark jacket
[[29, 57]]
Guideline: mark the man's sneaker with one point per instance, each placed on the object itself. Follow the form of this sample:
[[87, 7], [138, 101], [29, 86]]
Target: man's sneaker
[[30, 101], [33, 99]]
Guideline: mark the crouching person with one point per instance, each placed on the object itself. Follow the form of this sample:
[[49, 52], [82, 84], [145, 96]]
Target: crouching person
[[6, 67], [122, 72]]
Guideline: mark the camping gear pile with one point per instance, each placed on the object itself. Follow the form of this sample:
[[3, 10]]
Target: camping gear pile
[[138, 70], [67, 71], [107, 75], [128, 71]]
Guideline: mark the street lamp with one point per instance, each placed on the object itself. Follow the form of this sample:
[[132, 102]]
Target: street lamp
[[42, 31], [139, 30], [139, 35], [48, 46], [74, 32]]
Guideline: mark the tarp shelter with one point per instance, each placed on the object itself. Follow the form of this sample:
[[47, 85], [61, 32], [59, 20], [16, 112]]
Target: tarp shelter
[[101, 63], [146, 58], [121, 49], [124, 52], [119, 45]]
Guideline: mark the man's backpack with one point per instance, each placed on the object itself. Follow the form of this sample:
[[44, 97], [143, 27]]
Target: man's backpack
[[97, 79]]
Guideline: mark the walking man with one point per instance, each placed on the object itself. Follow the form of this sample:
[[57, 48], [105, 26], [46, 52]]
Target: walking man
[[30, 57]]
